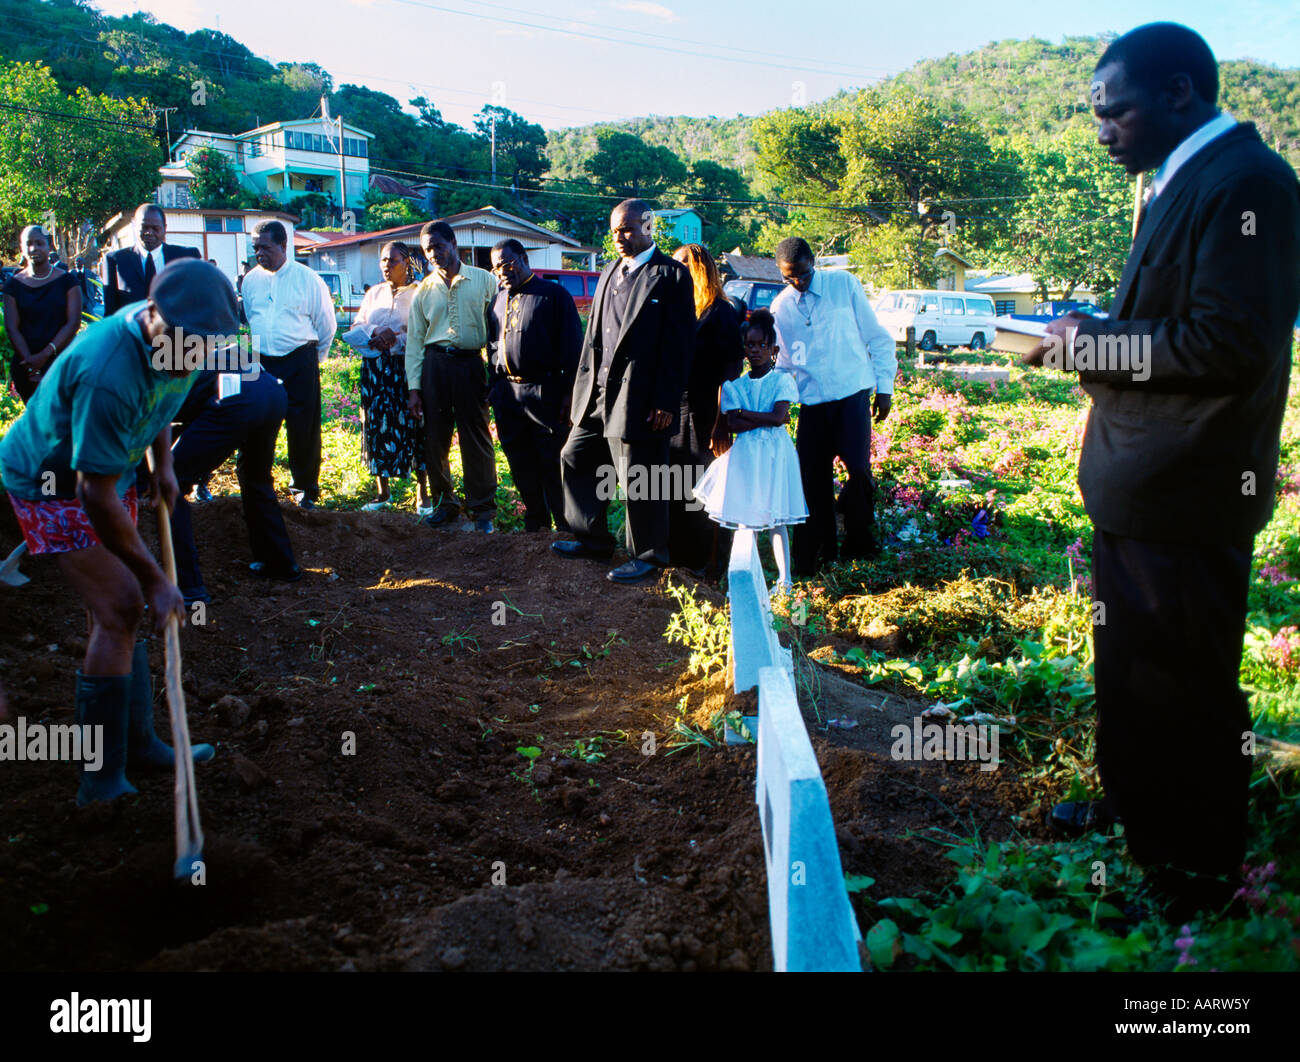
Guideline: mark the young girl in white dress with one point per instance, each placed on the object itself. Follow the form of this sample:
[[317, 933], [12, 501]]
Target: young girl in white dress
[[756, 484]]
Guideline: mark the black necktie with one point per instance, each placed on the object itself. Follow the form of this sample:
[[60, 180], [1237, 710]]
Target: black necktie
[[150, 270]]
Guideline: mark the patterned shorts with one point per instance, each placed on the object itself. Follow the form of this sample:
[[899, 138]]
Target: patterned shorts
[[60, 525]]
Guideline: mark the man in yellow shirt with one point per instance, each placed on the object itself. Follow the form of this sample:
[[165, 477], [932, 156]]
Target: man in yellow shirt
[[447, 330]]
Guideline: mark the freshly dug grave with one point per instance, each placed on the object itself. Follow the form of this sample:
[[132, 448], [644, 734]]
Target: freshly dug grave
[[368, 808]]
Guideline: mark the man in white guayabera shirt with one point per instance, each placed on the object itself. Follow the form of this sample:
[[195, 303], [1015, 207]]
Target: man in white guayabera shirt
[[838, 352], [291, 317]]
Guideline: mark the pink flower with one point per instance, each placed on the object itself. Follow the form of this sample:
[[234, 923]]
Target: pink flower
[[1276, 573]]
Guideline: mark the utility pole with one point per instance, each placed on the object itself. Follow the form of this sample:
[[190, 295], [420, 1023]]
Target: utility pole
[[494, 149], [343, 184], [167, 122]]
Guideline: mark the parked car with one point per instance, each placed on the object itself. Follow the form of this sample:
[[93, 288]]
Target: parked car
[[1060, 307], [580, 283], [755, 294], [347, 297], [941, 318]]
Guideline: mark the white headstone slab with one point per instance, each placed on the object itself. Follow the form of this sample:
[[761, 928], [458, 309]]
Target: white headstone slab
[[754, 643], [813, 927]]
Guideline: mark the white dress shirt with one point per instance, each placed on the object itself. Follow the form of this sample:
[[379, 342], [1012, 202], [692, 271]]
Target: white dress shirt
[[156, 254], [1191, 144], [831, 341], [628, 266], [288, 308]]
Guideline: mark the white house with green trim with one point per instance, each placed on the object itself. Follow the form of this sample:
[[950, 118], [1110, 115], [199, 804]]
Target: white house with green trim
[[282, 159]]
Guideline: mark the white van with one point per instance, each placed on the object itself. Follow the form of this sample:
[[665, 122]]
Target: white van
[[941, 318]]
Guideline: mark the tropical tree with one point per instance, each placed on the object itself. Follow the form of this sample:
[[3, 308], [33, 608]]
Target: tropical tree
[[70, 162], [627, 167], [216, 180], [1071, 228], [520, 144]]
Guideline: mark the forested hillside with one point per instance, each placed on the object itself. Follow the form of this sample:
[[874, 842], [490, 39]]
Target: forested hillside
[[727, 141], [1033, 88]]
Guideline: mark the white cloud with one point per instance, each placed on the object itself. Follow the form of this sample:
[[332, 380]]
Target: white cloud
[[644, 7]]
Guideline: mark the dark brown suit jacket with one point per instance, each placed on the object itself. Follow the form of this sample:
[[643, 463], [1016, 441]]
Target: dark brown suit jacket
[[1213, 280]]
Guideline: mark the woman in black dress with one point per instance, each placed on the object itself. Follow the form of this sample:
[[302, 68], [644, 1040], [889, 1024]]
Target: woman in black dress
[[692, 536], [42, 312]]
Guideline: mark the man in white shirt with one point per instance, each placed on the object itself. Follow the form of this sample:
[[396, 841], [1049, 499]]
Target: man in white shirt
[[291, 317], [838, 353], [128, 272]]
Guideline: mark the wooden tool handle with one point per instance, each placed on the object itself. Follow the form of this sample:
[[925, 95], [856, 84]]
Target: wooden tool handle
[[189, 831]]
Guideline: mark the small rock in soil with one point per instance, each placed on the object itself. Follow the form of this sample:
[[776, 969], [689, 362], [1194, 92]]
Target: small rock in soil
[[251, 776], [234, 712]]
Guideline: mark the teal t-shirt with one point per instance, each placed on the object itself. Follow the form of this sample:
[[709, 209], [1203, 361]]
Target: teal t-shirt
[[100, 406]]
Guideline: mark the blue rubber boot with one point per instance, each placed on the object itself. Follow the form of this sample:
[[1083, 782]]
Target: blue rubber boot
[[146, 748], [102, 702]]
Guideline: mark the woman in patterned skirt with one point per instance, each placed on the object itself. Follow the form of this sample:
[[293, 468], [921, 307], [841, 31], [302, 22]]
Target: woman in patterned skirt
[[392, 443]]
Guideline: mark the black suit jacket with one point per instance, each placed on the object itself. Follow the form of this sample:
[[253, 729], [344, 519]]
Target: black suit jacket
[[1212, 283], [651, 357], [124, 274], [718, 357]]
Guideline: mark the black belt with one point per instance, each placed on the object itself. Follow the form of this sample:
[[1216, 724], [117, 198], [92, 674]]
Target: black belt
[[454, 351]]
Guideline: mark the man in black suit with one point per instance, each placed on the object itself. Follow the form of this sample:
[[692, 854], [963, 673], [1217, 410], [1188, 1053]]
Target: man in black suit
[[222, 414], [635, 360], [533, 357], [129, 271], [1188, 377]]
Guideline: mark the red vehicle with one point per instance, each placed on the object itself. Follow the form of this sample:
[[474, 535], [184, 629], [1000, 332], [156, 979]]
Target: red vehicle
[[580, 283]]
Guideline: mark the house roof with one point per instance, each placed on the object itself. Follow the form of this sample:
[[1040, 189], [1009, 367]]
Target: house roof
[[942, 251], [399, 233], [1009, 284], [491, 216], [675, 212], [392, 186], [509, 219], [126, 217], [752, 267], [306, 121]]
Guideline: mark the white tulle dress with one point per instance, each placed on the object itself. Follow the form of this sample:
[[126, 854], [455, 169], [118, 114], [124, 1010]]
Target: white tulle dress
[[756, 483]]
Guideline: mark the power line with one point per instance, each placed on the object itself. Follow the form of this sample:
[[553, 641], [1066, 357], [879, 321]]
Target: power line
[[772, 205], [620, 40], [77, 117], [642, 33]]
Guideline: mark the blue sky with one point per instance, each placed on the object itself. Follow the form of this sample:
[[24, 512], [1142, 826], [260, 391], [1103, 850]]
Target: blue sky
[[571, 62]]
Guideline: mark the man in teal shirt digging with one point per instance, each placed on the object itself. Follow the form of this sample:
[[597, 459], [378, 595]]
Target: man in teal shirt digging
[[69, 468]]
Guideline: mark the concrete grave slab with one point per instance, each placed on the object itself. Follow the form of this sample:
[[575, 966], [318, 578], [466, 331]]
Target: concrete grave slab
[[813, 926]]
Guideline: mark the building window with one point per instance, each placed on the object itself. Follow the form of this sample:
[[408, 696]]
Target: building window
[[212, 224], [1005, 306], [234, 224]]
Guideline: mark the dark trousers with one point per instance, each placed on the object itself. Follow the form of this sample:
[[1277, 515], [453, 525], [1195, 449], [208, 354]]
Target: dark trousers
[[690, 531], [531, 432], [248, 422], [454, 390], [828, 430], [590, 465], [299, 372], [1170, 715]]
